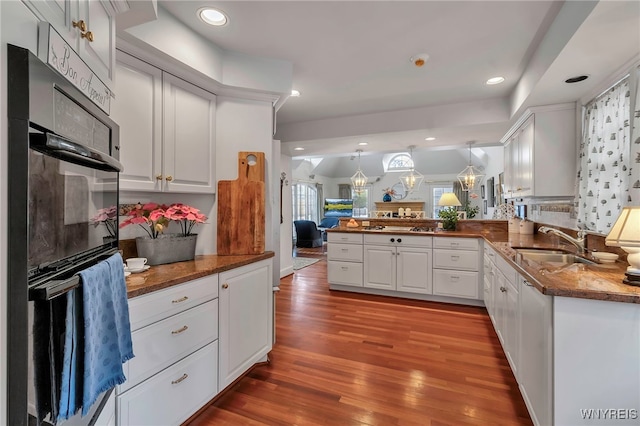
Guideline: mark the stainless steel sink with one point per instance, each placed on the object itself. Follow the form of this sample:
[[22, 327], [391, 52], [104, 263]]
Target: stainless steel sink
[[555, 256]]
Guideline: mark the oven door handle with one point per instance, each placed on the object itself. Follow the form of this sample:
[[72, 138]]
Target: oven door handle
[[74, 152]]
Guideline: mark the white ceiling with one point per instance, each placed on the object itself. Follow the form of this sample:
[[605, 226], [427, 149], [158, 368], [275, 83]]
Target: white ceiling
[[351, 63]]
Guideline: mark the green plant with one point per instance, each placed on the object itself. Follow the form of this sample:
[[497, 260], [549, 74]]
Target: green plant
[[449, 216], [471, 211]]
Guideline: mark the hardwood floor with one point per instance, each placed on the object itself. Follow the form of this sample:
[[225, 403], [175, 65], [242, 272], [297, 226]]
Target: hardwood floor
[[348, 359]]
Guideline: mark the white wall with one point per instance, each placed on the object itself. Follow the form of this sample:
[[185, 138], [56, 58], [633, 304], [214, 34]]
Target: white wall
[[286, 230], [18, 26], [244, 125]]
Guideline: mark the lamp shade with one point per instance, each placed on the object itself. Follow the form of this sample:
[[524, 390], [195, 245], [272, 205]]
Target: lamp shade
[[449, 199], [626, 230]]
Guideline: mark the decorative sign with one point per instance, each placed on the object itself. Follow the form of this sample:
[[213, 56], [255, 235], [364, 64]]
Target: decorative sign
[[54, 50]]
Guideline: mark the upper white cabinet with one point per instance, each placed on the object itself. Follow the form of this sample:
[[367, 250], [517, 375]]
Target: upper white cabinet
[[88, 26], [167, 130], [540, 153]]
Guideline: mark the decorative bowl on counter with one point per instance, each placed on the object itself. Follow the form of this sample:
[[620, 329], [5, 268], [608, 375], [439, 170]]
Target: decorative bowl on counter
[[605, 257]]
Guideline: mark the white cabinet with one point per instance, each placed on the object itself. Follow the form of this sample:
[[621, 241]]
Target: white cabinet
[[68, 17], [489, 272], [246, 319], [344, 258], [535, 362], [175, 370], [456, 262], [540, 140], [506, 310], [398, 262], [167, 130]]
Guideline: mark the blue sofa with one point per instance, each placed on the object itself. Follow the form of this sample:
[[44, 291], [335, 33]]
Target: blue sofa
[[307, 234], [328, 223]]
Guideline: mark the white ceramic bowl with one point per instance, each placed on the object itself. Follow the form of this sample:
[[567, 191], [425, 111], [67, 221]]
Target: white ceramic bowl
[[605, 257]]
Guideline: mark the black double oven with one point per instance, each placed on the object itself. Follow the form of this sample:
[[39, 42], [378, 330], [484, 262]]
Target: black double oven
[[63, 205]]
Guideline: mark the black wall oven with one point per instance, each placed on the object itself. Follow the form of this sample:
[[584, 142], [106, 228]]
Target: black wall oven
[[63, 205]]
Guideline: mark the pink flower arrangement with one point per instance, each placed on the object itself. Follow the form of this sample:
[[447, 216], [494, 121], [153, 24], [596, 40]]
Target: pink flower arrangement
[[155, 218], [107, 216]]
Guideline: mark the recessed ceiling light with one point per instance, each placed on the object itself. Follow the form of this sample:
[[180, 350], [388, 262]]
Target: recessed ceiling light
[[298, 148], [495, 80], [295, 93], [576, 79], [212, 16], [363, 144], [430, 138]]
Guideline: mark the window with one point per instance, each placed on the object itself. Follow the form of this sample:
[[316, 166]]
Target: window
[[400, 163], [435, 192], [361, 202], [305, 202]]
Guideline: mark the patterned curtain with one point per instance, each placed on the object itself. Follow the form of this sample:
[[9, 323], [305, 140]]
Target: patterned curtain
[[603, 176], [463, 196], [634, 178], [344, 191], [320, 195]]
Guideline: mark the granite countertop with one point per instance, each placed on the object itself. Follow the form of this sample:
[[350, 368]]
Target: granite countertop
[[163, 276], [601, 281]]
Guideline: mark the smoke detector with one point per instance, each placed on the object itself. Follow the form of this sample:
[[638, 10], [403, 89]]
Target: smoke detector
[[419, 59]]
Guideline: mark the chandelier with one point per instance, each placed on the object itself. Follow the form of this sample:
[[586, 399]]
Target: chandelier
[[412, 179], [470, 177], [358, 180]]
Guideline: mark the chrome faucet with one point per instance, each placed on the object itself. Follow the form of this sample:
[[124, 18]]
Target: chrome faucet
[[579, 242]]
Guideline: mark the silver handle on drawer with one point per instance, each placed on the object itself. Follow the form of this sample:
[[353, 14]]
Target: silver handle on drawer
[[454, 258], [344, 249], [527, 283], [453, 244], [182, 299], [345, 268], [176, 381], [180, 330], [455, 277]]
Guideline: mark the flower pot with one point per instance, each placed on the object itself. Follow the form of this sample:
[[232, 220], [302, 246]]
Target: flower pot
[[167, 248]]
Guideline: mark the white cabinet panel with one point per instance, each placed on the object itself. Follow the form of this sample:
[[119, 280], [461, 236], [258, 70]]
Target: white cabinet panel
[[414, 270], [345, 273], [173, 395], [138, 111], [99, 54], [455, 283], [246, 315], [344, 237], [456, 243], [165, 342], [456, 259], [380, 267], [189, 131], [345, 252]]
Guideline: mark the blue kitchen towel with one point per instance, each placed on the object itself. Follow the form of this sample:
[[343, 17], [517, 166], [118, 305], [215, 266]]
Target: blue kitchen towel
[[71, 381], [107, 331]]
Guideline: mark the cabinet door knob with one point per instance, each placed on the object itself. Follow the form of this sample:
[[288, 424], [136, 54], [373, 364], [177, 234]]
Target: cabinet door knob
[[399, 240], [503, 289], [169, 178], [159, 177], [88, 35], [392, 239], [81, 25], [225, 285]]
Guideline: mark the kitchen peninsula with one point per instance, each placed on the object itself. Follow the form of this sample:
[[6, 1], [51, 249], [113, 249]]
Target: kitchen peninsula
[[566, 329]]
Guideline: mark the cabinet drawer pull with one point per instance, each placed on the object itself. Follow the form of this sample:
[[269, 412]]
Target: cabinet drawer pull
[[455, 278], [345, 268], [176, 381], [527, 283], [455, 258], [344, 249], [225, 286], [180, 330], [453, 244], [81, 25], [182, 299], [88, 35]]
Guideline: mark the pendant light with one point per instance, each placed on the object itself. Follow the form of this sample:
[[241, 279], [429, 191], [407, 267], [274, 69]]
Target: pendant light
[[470, 177], [412, 179], [358, 180]]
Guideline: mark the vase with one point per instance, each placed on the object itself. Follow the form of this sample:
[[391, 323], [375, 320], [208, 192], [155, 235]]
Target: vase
[[167, 248], [386, 198]]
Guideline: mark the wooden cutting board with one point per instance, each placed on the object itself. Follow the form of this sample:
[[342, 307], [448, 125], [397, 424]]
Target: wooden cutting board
[[241, 208]]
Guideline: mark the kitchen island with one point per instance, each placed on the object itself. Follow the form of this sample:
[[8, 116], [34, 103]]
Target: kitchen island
[[570, 332]]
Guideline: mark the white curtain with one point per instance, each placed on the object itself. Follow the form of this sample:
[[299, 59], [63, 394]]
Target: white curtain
[[634, 178], [603, 176]]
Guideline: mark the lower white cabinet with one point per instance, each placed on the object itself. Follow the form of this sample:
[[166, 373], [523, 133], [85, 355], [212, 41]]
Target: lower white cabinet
[[246, 319], [535, 361], [506, 307], [456, 262], [173, 395], [344, 258]]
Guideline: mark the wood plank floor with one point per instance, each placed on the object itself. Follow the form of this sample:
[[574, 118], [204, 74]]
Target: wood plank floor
[[347, 359]]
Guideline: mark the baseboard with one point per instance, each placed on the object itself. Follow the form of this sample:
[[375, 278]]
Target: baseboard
[[286, 271]]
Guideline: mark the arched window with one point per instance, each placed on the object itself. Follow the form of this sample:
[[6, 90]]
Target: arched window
[[400, 163]]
